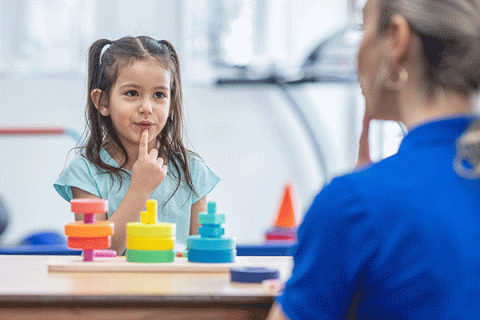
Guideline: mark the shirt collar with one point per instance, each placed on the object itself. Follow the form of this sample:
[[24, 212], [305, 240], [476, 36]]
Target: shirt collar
[[107, 158], [439, 132]]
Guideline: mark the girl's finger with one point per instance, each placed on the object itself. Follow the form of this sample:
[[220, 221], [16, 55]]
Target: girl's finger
[[160, 161], [143, 145], [153, 154]]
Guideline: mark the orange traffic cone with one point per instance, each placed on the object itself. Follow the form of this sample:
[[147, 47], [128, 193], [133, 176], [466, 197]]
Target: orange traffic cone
[[285, 223], [286, 212]]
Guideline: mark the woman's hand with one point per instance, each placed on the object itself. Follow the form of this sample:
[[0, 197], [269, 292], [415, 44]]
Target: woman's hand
[[148, 171], [364, 149]]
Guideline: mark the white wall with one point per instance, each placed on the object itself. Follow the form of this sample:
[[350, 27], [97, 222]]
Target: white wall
[[252, 139], [30, 165], [248, 135]]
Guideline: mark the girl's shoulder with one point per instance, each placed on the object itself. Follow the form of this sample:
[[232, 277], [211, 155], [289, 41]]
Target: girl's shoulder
[[82, 163], [194, 162], [194, 159], [79, 161], [198, 166], [200, 172]]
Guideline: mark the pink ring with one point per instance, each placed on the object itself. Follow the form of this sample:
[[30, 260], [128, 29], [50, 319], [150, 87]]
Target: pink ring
[[88, 206]]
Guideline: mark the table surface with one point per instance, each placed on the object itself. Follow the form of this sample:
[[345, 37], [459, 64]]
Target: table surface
[[26, 282]]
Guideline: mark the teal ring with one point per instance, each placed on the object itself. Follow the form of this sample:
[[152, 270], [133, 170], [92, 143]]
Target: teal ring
[[210, 244], [221, 256]]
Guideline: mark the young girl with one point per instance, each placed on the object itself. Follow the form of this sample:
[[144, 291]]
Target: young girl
[[134, 151]]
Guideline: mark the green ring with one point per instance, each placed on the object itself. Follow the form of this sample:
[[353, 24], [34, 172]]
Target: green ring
[[150, 256]]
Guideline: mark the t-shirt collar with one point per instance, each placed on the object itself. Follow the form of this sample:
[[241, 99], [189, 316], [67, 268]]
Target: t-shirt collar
[[107, 158], [437, 132]]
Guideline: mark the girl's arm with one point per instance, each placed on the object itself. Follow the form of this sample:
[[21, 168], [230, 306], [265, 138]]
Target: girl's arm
[[197, 207], [148, 173]]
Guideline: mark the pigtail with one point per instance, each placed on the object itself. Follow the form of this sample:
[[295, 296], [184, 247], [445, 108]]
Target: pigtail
[[174, 56], [96, 137], [99, 126], [171, 138], [94, 67]]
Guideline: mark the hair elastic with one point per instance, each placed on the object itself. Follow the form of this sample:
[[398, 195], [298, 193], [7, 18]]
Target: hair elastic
[[105, 48], [460, 167]]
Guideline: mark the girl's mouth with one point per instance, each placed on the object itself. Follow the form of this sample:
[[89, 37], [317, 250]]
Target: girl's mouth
[[145, 125]]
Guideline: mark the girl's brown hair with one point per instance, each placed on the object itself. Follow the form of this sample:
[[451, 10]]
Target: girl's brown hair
[[103, 70]]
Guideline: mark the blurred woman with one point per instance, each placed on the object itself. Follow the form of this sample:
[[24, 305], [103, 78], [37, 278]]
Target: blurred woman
[[401, 238]]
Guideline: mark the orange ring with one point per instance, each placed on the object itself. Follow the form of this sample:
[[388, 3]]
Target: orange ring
[[83, 230]]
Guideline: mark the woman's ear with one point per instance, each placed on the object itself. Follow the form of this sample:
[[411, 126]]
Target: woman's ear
[[401, 39], [96, 94]]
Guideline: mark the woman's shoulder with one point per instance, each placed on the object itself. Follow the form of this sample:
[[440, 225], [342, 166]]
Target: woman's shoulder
[[383, 173], [340, 191], [352, 193]]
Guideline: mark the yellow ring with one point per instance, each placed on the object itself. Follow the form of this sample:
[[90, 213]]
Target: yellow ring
[[158, 230], [150, 243]]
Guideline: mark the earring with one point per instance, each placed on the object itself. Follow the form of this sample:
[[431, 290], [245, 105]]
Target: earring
[[103, 111], [399, 83]]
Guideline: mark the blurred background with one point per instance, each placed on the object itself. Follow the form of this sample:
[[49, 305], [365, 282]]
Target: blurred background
[[270, 89]]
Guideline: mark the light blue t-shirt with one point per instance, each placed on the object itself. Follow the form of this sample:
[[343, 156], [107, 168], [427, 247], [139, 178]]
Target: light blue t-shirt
[[83, 174]]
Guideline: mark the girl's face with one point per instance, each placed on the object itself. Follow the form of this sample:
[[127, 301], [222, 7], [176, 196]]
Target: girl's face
[[372, 66], [139, 100]]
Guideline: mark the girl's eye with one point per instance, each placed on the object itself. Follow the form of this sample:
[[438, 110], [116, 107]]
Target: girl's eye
[[131, 93], [159, 95]]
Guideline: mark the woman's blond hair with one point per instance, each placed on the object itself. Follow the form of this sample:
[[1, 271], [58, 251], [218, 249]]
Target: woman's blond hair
[[449, 31]]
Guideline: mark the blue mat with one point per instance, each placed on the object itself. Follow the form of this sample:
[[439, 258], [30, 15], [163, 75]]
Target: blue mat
[[54, 243], [41, 243]]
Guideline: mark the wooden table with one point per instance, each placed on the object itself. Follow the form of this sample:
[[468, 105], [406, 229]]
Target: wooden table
[[29, 291]]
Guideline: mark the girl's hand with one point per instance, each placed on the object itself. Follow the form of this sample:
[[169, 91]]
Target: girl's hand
[[148, 171]]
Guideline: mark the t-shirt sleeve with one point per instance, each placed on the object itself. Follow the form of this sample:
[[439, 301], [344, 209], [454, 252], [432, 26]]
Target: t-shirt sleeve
[[335, 241], [203, 178], [78, 174]]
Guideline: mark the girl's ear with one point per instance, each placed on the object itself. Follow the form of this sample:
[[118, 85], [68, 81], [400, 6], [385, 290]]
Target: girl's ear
[[96, 94]]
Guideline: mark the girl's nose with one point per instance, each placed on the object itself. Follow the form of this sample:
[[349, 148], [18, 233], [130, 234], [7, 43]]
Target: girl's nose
[[146, 107]]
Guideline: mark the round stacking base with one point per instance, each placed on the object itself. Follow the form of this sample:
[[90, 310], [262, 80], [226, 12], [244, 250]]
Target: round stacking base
[[253, 274], [211, 256], [281, 234], [279, 237], [150, 256]]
